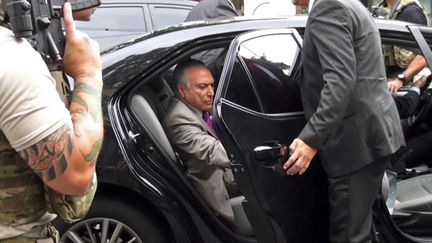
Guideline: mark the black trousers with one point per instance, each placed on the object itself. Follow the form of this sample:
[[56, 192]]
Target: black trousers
[[351, 198]]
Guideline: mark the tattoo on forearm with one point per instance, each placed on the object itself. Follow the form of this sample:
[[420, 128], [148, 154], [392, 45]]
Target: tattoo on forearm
[[94, 151], [96, 114], [80, 114], [76, 118], [48, 158]]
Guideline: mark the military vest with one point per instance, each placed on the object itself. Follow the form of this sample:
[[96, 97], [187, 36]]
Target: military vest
[[394, 55]]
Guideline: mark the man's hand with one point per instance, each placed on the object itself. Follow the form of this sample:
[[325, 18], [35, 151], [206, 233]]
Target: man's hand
[[394, 85], [81, 57], [423, 82], [301, 156]]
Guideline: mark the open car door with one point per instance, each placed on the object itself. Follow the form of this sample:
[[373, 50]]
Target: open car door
[[258, 111]]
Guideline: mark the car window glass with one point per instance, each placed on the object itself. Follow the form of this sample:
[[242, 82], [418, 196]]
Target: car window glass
[[240, 89], [164, 16], [272, 62], [115, 19]]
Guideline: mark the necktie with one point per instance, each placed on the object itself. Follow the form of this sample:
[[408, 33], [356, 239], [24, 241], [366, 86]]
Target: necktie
[[208, 119]]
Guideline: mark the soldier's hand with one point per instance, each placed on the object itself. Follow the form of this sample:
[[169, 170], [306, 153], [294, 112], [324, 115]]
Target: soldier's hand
[[81, 56]]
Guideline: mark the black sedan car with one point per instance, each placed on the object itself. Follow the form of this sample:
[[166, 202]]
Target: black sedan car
[[144, 194]]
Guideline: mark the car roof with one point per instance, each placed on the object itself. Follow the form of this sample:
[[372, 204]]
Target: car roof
[[198, 29], [189, 31], [142, 50]]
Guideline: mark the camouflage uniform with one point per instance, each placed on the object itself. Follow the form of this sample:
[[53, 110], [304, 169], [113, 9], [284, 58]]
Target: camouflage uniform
[[21, 191], [22, 194], [394, 55], [25, 201]]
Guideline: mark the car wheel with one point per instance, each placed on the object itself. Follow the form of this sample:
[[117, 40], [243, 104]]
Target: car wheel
[[112, 221]]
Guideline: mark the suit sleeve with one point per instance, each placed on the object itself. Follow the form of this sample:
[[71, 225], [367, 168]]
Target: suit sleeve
[[407, 104], [226, 10], [331, 33], [206, 10], [190, 138]]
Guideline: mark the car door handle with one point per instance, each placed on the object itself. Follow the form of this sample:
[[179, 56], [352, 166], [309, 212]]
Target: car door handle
[[270, 155]]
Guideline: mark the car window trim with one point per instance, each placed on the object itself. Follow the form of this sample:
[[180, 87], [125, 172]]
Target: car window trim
[[252, 85], [423, 45], [232, 55]]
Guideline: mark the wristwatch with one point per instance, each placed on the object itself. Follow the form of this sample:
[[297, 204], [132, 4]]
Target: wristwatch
[[402, 78]]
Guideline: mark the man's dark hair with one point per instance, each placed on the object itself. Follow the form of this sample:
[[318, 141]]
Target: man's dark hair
[[180, 69]]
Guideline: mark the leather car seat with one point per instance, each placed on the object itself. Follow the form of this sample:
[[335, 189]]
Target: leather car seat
[[240, 217], [409, 195], [414, 194]]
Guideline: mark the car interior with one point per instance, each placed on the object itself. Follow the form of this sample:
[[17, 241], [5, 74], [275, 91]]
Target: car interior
[[408, 189], [409, 198], [149, 103]]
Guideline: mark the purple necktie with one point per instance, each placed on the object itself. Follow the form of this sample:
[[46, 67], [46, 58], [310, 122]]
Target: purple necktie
[[208, 119]]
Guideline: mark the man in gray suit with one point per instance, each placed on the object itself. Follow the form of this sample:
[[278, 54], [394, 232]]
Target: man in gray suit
[[187, 122], [352, 119], [212, 9]]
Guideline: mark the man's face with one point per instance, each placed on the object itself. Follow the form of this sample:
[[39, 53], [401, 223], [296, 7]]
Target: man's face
[[300, 2], [200, 91]]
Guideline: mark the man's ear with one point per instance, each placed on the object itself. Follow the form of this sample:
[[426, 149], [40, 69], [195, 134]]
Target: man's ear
[[181, 91]]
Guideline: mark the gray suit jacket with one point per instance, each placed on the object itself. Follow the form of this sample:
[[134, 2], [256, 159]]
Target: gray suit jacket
[[352, 118], [204, 155], [212, 9]]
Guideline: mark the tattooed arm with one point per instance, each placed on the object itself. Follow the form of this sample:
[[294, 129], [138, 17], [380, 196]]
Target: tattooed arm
[[65, 160]]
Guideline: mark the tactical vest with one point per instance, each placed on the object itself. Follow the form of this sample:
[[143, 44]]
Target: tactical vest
[[393, 55]]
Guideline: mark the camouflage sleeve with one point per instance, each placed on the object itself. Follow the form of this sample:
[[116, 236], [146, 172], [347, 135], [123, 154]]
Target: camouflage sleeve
[[403, 57]]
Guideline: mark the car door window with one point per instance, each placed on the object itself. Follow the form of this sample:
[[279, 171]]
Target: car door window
[[164, 15], [240, 89], [264, 76]]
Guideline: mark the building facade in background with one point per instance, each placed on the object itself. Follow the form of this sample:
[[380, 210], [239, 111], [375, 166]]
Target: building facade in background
[[285, 7]]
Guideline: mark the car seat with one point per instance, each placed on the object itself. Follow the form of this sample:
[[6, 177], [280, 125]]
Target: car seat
[[414, 194], [410, 194], [149, 105]]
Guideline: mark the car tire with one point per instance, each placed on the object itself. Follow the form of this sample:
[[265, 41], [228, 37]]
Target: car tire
[[113, 221]]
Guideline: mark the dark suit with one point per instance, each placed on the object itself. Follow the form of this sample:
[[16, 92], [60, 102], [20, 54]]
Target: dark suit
[[352, 118], [205, 157], [212, 9], [407, 104]]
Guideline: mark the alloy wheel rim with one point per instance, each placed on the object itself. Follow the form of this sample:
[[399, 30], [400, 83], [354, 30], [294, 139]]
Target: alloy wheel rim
[[100, 230]]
